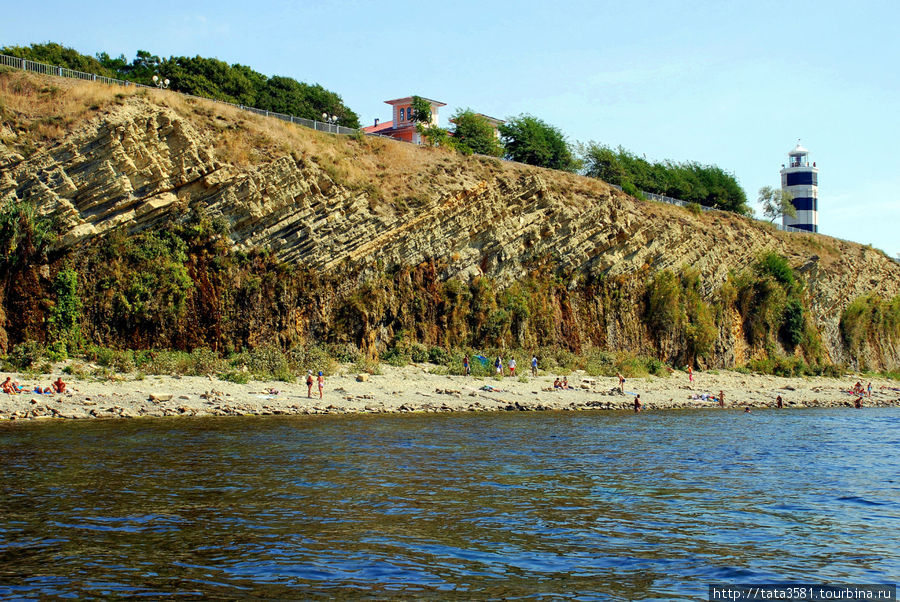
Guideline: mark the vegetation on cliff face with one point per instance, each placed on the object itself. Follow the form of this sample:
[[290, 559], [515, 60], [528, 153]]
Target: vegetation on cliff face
[[206, 77], [183, 287], [870, 324]]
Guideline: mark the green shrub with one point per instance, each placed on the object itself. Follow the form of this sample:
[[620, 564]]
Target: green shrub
[[793, 327], [24, 355], [694, 208], [346, 353], [65, 316], [235, 376], [439, 355], [775, 265]]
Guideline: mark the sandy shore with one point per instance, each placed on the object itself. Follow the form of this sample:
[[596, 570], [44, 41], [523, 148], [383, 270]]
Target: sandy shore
[[418, 389]]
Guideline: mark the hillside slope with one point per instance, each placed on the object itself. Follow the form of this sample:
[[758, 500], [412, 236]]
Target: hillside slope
[[102, 159]]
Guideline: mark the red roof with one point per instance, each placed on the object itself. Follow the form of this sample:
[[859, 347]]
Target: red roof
[[374, 129]]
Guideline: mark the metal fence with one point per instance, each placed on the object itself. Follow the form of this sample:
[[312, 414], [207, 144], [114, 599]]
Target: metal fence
[[35, 67], [673, 201]]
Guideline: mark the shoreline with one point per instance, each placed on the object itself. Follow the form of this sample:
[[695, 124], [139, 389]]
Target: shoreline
[[418, 389]]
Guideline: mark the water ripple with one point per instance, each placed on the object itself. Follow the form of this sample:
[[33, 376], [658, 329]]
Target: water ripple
[[557, 505]]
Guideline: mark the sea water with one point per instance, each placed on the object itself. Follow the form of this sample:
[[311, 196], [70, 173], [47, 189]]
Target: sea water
[[591, 505]]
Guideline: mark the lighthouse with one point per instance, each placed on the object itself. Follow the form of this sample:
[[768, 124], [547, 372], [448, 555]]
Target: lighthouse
[[801, 180]]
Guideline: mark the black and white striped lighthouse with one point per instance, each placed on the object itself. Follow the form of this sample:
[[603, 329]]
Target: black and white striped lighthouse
[[801, 180]]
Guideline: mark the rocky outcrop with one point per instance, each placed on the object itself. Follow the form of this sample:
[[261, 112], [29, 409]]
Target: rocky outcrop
[[140, 164]]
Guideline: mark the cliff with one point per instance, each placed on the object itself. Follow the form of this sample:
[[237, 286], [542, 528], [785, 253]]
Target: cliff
[[350, 210]]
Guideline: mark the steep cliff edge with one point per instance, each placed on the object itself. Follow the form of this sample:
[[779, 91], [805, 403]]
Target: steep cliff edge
[[346, 206]]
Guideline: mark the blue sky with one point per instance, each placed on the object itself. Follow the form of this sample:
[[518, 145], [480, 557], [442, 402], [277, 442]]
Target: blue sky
[[728, 83]]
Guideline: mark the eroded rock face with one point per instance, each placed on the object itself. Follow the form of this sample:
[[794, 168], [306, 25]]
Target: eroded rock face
[[141, 163]]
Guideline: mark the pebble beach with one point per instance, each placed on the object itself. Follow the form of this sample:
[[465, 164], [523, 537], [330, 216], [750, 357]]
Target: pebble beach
[[421, 388]]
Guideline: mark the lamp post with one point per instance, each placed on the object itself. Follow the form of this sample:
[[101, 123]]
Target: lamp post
[[331, 120], [162, 84]]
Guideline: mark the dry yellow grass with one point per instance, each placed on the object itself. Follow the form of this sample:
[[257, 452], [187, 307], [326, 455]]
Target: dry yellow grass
[[41, 110]]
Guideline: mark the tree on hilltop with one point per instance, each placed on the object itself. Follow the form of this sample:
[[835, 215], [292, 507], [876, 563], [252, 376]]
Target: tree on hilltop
[[421, 110], [776, 202], [474, 133], [530, 140]]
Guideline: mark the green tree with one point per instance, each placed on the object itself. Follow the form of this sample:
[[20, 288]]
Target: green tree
[[776, 202], [603, 163], [474, 133], [529, 140], [707, 185], [421, 110], [55, 54]]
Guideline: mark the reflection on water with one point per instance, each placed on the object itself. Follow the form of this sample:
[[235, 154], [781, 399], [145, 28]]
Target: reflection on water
[[591, 504]]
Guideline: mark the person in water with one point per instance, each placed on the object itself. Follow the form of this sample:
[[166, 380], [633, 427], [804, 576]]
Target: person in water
[[858, 403], [637, 404], [779, 403]]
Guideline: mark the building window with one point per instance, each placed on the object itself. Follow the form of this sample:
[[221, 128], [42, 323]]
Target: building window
[[401, 114]]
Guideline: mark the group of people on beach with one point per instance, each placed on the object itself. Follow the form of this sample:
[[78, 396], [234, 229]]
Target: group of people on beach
[[858, 389], [11, 387], [309, 383], [498, 365]]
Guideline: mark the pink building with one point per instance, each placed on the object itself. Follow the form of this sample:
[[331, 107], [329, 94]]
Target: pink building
[[402, 126]]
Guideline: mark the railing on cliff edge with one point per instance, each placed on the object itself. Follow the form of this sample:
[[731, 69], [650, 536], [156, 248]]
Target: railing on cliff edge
[[673, 201], [35, 67]]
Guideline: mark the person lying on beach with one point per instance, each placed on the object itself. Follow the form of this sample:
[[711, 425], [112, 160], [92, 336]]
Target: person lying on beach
[[12, 387], [491, 389]]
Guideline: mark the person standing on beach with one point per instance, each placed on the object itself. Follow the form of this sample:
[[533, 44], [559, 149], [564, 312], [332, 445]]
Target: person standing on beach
[[621, 383], [512, 366], [637, 404], [690, 374], [721, 399], [466, 369], [321, 380], [309, 383], [869, 390], [498, 366], [534, 366]]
